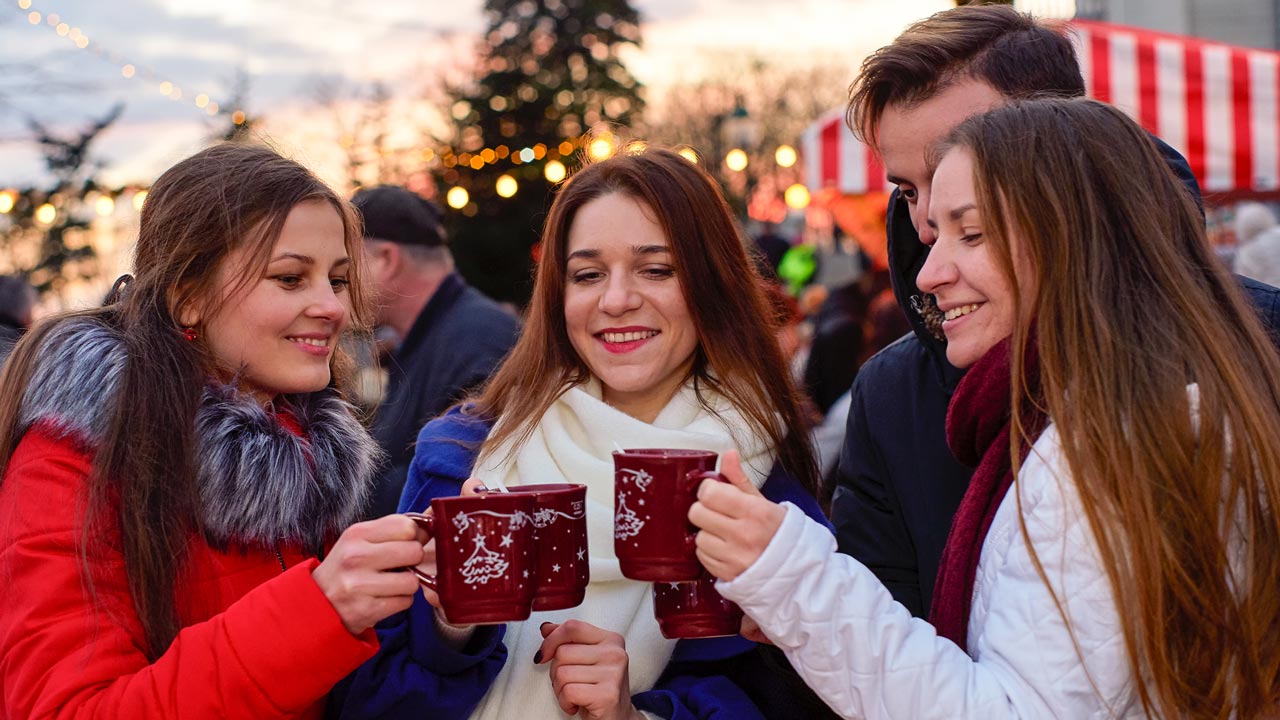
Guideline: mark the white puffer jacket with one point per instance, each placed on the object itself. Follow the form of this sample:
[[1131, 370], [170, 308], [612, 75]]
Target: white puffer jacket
[[868, 658]]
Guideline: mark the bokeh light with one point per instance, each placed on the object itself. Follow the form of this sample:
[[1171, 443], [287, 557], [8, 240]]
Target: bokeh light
[[601, 148], [736, 160], [506, 186], [46, 214], [797, 197], [457, 198], [554, 171], [105, 206], [785, 156]]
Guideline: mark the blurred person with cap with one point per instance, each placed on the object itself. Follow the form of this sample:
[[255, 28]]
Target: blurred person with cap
[[1257, 252], [17, 306], [450, 336]]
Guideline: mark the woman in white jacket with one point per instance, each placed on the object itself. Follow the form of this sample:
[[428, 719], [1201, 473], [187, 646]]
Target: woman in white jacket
[[1129, 570]]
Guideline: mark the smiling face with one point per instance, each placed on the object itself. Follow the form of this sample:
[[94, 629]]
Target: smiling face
[[624, 307], [279, 330], [906, 132], [962, 270]]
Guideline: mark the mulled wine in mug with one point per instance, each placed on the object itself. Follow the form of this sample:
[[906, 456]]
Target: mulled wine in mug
[[560, 532], [486, 557], [653, 491]]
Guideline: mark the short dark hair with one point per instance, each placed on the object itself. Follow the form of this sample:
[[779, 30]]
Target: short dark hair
[[1008, 50]]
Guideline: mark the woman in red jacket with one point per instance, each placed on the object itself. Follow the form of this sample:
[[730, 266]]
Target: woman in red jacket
[[179, 468]]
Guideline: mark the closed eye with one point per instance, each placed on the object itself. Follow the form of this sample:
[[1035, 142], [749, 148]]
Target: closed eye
[[659, 273], [585, 276]]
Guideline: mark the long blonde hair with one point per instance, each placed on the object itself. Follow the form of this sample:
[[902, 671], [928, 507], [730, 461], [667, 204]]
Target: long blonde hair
[[1130, 306]]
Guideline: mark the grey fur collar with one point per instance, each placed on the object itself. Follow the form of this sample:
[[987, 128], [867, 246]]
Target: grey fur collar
[[259, 483]]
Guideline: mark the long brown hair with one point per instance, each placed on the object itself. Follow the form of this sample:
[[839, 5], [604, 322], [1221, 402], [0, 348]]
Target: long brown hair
[[737, 354], [1129, 307], [199, 211]]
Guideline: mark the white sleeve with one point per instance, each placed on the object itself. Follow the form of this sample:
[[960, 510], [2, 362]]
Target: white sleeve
[[867, 657]]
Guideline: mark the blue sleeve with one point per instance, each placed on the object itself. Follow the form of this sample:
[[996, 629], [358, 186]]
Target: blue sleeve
[[415, 674], [698, 698], [731, 678], [442, 459]]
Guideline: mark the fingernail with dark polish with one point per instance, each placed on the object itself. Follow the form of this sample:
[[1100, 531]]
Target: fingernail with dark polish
[[537, 657]]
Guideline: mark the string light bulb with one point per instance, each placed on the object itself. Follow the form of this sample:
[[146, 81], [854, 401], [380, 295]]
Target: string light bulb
[[506, 186], [785, 156], [736, 160], [46, 214], [797, 197], [457, 197], [600, 149], [554, 171]]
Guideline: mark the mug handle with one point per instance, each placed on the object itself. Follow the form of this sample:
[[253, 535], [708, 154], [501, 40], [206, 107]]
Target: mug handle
[[694, 479], [428, 524]]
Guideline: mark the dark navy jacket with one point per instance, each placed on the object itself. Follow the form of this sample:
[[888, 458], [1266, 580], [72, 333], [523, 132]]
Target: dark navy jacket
[[897, 485], [457, 341], [415, 675]]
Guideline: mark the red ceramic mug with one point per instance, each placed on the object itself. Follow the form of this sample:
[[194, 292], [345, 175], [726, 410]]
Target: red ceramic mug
[[653, 491], [486, 557], [694, 609], [560, 531]]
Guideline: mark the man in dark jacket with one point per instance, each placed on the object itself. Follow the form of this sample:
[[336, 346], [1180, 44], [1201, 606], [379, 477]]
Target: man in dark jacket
[[17, 304], [898, 485], [449, 337]]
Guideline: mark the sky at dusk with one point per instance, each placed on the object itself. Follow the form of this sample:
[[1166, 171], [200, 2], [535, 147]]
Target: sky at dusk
[[293, 48]]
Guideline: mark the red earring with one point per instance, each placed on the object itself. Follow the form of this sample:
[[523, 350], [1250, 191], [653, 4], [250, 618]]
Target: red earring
[[189, 333]]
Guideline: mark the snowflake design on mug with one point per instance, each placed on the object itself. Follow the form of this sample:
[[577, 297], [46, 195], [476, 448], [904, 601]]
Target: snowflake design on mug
[[626, 523], [484, 564]]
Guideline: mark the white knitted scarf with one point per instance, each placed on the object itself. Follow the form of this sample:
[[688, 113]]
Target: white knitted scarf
[[574, 442]]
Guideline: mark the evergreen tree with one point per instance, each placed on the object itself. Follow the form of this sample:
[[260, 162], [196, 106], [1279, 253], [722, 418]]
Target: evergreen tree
[[548, 72], [69, 161]]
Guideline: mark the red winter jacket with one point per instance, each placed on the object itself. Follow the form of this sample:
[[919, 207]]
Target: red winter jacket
[[257, 642]]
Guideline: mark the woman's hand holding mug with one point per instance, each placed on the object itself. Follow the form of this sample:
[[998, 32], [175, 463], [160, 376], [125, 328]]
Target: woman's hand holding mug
[[362, 575], [736, 522]]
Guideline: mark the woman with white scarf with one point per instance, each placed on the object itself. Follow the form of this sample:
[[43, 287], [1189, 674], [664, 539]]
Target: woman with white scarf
[[648, 327]]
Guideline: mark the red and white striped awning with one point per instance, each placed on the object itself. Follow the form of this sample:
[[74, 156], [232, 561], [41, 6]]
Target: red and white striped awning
[[834, 158], [1215, 103], [1218, 105]]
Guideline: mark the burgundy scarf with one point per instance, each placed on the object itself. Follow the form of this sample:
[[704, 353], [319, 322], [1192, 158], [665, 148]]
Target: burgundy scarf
[[978, 433]]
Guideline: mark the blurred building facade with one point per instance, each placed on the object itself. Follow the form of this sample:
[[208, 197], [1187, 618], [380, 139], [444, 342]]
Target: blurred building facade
[[1250, 23]]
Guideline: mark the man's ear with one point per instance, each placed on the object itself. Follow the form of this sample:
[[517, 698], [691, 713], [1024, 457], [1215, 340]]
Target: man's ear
[[385, 258]]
